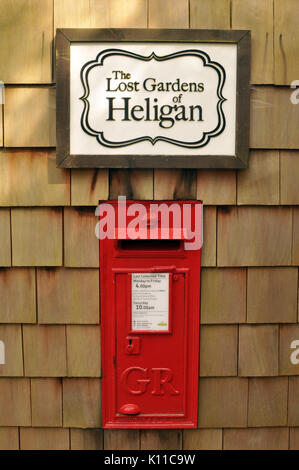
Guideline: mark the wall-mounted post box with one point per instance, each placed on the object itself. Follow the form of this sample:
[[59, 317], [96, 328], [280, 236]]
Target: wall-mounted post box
[[150, 291]]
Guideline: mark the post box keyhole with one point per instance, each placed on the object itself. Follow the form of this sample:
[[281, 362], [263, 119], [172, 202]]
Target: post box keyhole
[[132, 345]]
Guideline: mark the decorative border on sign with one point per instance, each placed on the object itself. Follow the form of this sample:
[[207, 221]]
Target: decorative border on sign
[[191, 52]]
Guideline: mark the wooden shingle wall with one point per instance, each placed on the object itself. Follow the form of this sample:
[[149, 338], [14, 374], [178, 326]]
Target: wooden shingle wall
[[50, 396]]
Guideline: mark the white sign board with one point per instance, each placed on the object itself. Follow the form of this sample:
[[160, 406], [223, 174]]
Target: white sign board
[[152, 98], [158, 99], [150, 301]]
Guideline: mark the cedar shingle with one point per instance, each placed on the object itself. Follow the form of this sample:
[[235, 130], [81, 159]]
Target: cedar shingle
[[210, 15], [17, 295], [81, 403], [44, 350], [223, 402], [29, 117], [26, 30], [15, 402], [267, 402], [258, 350], [5, 248], [287, 335], [122, 439], [68, 295], [88, 186], [254, 236], [81, 246], [46, 402], [259, 184], [257, 15], [272, 295], [216, 187], [44, 439], [223, 295], [36, 237], [202, 439], [35, 182], [256, 439], [83, 351], [218, 350], [11, 335], [289, 177]]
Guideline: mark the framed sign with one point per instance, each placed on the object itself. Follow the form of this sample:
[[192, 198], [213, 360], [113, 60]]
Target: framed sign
[[152, 98]]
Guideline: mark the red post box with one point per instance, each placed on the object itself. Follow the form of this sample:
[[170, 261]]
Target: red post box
[[150, 287]]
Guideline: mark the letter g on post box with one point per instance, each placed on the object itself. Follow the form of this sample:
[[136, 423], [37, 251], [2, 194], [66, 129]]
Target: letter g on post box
[[150, 289]]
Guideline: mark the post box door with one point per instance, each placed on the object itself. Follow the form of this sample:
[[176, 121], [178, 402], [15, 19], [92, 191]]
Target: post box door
[[150, 365]]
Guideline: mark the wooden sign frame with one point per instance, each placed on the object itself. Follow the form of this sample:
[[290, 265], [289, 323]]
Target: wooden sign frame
[[64, 39]]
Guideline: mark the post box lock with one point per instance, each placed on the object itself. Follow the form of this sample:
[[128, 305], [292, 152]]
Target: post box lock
[[149, 325], [133, 345]]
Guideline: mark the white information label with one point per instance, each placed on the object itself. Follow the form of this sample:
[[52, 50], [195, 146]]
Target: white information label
[[150, 301]]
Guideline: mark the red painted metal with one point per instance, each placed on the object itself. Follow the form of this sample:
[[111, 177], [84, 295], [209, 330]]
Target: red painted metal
[[149, 378]]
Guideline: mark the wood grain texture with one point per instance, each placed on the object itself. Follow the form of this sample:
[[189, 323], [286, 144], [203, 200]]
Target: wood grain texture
[[68, 296], [162, 439], [293, 402], [17, 296], [134, 184], [257, 15], [81, 246], [295, 244], [122, 439], [1, 125], [258, 350], [216, 187], [81, 403], [286, 41], [273, 119], [259, 184], [267, 402], [11, 335], [89, 186], [46, 402], [289, 175], [256, 439], [83, 351], [202, 439], [29, 117], [223, 402], [44, 439], [254, 236], [272, 295], [210, 14], [36, 237], [82, 14], [294, 439], [9, 438], [220, 360], [86, 439], [30, 178], [127, 13], [223, 296], [5, 248], [44, 350], [26, 28], [162, 14], [208, 251], [174, 184], [15, 402], [287, 334]]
